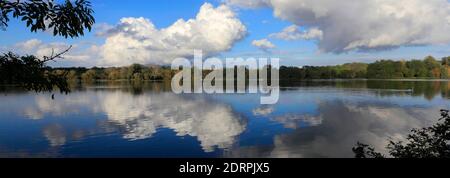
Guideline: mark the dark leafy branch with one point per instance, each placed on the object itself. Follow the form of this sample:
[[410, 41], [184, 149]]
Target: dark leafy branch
[[68, 19], [430, 142], [365, 151], [34, 74]]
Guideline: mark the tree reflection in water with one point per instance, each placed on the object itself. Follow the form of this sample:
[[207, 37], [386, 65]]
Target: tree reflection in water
[[430, 142]]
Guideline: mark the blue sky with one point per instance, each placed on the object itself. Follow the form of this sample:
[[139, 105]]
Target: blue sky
[[260, 23]]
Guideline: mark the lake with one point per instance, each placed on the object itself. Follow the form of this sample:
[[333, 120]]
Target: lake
[[311, 119]]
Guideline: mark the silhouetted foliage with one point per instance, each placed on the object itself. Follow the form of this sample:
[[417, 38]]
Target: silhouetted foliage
[[67, 19], [364, 151], [431, 142], [30, 73]]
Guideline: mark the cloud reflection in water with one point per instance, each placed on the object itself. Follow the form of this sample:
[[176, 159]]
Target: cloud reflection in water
[[139, 116], [337, 128]]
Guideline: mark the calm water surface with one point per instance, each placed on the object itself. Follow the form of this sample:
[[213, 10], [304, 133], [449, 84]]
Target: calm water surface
[[312, 119]]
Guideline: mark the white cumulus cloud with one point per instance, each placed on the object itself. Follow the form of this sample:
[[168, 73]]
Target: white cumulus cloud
[[263, 44], [29, 44], [137, 40], [367, 24], [293, 33]]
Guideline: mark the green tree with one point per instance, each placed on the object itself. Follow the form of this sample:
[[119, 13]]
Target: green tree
[[445, 67], [352, 70], [383, 69], [417, 69], [400, 69], [433, 67], [446, 61], [444, 72]]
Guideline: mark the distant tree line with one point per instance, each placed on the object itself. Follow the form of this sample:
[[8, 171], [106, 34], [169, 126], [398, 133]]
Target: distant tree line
[[346, 71], [383, 69], [135, 72], [429, 68]]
